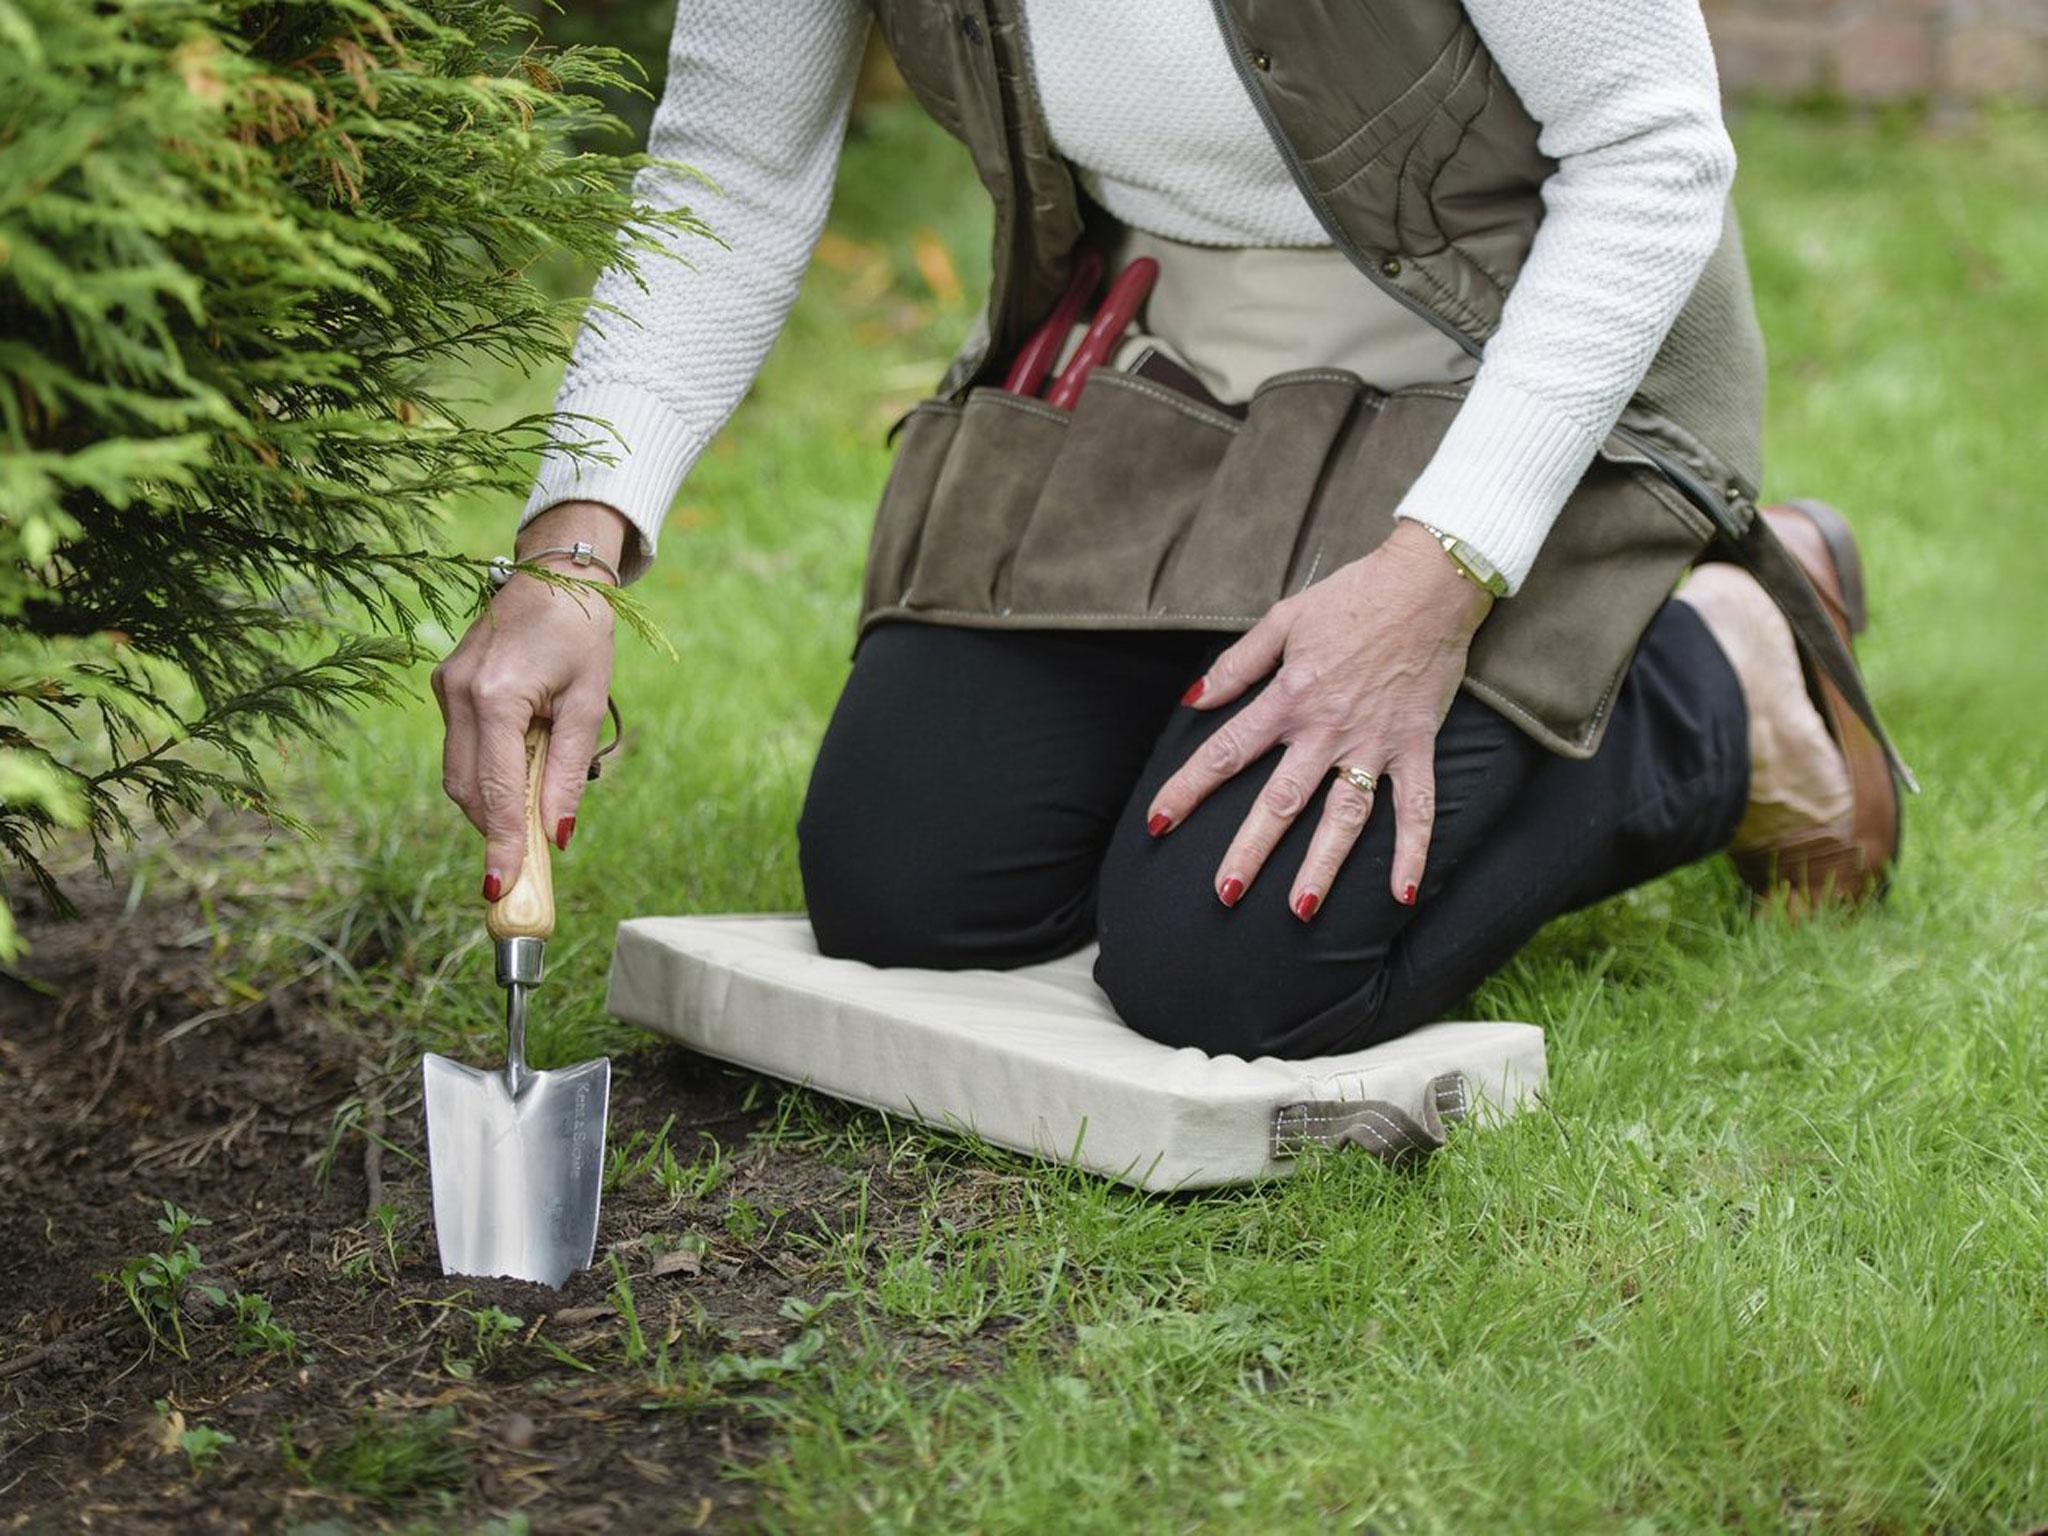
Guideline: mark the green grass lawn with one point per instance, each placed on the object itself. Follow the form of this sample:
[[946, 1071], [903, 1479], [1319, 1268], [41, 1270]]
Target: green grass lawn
[[1775, 1256]]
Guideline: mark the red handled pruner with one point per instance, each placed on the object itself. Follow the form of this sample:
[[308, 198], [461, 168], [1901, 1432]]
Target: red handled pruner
[[1119, 308], [1035, 359]]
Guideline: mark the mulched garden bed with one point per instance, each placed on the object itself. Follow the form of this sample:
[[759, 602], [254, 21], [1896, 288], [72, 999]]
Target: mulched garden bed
[[403, 1400]]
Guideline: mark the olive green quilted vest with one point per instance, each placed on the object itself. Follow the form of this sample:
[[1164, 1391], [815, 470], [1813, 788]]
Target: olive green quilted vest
[[1419, 158]]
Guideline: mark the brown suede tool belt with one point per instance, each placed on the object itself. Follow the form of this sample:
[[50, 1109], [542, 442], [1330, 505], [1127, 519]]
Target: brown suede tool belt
[[1144, 508]]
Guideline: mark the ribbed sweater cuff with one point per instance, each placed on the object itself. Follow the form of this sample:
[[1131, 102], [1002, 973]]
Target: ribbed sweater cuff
[[1501, 475], [653, 451]]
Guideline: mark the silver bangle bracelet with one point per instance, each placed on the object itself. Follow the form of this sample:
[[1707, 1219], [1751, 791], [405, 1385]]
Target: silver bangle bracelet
[[582, 552]]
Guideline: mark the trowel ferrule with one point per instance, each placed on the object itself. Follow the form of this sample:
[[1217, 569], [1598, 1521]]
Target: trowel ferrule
[[519, 962]]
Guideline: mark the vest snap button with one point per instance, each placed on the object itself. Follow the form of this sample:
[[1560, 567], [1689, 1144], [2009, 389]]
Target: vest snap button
[[1391, 266], [970, 28], [1261, 60]]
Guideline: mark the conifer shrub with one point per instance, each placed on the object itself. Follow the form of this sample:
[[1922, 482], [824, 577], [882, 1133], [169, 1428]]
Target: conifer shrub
[[254, 258]]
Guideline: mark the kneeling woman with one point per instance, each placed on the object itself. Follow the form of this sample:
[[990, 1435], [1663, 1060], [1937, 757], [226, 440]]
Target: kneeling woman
[[1305, 634]]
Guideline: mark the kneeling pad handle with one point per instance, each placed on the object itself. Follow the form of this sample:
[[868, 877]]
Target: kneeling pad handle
[[1384, 1129]]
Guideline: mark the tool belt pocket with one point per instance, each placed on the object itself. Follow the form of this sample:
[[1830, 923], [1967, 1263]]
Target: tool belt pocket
[[1141, 508]]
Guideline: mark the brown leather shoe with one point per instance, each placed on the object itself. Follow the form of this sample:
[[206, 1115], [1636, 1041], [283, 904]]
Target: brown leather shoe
[[1848, 861]]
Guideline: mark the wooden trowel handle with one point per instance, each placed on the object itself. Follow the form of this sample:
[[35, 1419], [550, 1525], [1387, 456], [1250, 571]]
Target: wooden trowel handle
[[527, 911]]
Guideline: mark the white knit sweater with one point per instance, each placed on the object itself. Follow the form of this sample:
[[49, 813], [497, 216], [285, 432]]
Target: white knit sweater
[[1142, 97]]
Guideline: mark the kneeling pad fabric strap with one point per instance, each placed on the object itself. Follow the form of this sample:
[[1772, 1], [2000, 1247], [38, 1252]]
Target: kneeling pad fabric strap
[[1036, 1060], [1387, 1131]]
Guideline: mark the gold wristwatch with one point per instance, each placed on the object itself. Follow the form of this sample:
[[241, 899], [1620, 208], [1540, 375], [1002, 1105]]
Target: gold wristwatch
[[1471, 564]]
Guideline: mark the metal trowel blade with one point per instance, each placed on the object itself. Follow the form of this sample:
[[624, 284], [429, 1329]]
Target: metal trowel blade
[[517, 1174]]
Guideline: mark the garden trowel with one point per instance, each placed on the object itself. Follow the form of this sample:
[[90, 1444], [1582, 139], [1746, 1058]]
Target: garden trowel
[[517, 1156]]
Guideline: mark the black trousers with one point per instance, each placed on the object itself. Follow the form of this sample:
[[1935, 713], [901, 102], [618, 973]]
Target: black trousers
[[980, 800]]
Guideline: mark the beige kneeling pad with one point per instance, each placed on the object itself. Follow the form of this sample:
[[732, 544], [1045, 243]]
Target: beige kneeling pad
[[1036, 1060]]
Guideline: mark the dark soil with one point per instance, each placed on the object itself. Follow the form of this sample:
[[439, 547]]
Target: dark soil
[[113, 1101]]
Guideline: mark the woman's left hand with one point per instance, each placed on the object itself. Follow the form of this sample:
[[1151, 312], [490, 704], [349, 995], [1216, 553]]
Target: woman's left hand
[[1368, 662]]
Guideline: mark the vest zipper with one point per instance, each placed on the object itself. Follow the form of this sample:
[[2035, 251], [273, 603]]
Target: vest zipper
[[1688, 485]]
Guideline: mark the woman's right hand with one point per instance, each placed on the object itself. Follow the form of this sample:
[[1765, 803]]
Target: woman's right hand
[[537, 652]]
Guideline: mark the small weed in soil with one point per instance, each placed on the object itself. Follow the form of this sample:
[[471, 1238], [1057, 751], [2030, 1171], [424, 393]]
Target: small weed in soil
[[201, 1443], [258, 1333], [161, 1287]]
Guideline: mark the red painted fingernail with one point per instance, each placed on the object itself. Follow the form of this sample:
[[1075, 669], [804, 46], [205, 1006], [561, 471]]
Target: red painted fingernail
[[1408, 895], [1194, 693], [1160, 824], [492, 886], [1232, 889], [1305, 908], [564, 830]]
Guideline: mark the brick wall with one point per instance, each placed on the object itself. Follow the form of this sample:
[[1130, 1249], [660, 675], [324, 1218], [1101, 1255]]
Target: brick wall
[[1948, 51]]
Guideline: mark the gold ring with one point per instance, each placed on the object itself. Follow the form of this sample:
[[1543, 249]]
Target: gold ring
[[1365, 783]]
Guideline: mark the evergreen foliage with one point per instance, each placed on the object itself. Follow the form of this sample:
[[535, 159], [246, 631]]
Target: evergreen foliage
[[637, 28], [246, 250]]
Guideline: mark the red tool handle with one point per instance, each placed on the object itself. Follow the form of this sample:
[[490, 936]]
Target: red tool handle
[[1119, 308], [1035, 359]]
